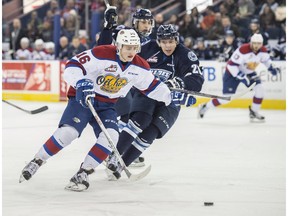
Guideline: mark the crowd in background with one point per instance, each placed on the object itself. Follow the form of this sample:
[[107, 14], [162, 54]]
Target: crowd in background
[[212, 34]]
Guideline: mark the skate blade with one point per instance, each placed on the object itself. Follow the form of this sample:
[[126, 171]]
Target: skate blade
[[21, 179], [75, 187], [138, 164], [110, 176], [257, 120]]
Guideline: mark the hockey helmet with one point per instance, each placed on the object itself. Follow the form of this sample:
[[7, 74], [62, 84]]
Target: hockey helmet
[[142, 14], [127, 37], [165, 32], [257, 38]]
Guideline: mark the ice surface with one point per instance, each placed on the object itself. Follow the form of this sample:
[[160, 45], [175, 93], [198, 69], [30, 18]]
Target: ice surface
[[223, 158]]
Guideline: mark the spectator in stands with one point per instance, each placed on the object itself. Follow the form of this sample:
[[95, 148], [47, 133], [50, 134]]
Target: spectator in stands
[[225, 26], [245, 12], [16, 35], [228, 46], [174, 21], [69, 6], [46, 31], [54, 7], [187, 27], [71, 25], [63, 51], [254, 27], [38, 52], [159, 20], [231, 6], [196, 17], [33, 26], [76, 47], [124, 13], [208, 19], [201, 51], [24, 53], [50, 50], [188, 42], [272, 4], [267, 19]]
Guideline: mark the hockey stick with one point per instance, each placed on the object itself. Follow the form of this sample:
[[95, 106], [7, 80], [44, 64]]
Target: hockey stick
[[107, 3], [41, 109], [215, 96], [132, 177]]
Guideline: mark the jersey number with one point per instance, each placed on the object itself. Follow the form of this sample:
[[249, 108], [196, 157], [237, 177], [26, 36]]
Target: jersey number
[[83, 58]]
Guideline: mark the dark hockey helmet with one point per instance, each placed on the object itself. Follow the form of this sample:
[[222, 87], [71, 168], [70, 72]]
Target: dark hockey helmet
[[165, 32], [142, 14]]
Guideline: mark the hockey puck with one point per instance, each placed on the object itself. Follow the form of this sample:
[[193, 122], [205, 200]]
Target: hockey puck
[[208, 203]]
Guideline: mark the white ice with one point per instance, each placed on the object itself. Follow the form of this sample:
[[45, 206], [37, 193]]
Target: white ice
[[223, 158]]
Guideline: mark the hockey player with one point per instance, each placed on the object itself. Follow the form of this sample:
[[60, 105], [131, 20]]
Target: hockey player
[[102, 75], [241, 68], [178, 67], [142, 23]]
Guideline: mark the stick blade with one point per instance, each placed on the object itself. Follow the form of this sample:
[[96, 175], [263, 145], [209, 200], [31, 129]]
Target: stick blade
[[41, 109], [141, 175]]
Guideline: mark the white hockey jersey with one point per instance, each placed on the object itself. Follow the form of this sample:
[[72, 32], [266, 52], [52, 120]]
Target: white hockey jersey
[[245, 60], [111, 78], [23, 54]]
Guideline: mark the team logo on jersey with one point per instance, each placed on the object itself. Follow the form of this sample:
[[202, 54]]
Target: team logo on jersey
[[153, 59], [252, 65], [191, 55], [162, 74], [110, 83], [111, 68]]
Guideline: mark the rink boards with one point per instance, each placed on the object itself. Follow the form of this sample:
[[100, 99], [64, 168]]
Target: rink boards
[[22, 81]]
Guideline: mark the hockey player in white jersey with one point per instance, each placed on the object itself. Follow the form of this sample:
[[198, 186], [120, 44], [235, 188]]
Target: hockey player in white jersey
[[241, 68], [101, 75]]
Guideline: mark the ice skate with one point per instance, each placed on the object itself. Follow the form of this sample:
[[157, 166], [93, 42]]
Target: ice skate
[[138, 162], [80, 180], [255, 116], [114, 168], [202, 108], [30, 169]]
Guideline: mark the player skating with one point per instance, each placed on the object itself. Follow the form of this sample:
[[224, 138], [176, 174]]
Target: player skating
[[179, 68], [102, 75], [241, 68], [143, 24]]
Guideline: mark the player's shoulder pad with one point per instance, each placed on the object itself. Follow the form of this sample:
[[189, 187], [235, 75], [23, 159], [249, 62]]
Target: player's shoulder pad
[[104, 52], [245, 48], [140, 62], [263, 49]]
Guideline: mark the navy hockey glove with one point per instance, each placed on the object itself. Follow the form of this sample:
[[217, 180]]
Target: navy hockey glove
[[110, 17], [176, 82], [273, 70], [243, 78], [84, 91], [180, 98]]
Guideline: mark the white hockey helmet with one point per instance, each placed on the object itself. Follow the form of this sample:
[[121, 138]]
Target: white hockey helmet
[[24, 40], [257, 38], [128, 37]]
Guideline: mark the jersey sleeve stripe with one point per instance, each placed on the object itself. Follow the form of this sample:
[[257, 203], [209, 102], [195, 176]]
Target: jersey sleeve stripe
[[74, 63], [151, 87]]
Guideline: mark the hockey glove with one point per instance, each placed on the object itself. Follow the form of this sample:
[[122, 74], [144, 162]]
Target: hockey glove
[[84, 91], [273, 70], [243, 78], [180, 98], [176, 82], [110, 17]]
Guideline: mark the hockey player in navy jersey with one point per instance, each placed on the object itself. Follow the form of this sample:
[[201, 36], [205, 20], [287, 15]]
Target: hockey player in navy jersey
[[178, 67], [241, 68], [101, 75]]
